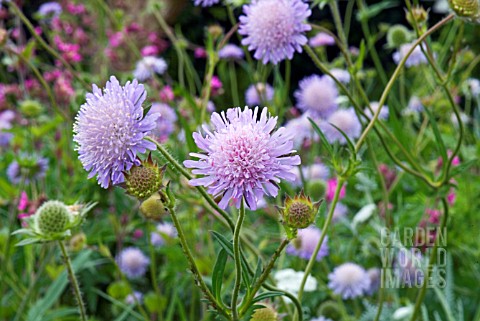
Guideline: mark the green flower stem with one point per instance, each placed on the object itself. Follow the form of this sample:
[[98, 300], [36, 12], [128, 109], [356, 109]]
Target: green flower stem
[[42, 42], [153, 271], [212, 59], [193, 266], [237, 259], [395, 76], [73, 281], [263, 277], [233, 82], [431, 262]]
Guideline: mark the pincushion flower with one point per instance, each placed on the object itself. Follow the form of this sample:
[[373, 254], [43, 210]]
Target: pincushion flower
[[274, 28], [244, 157], [132, 262], [384, 113], [165, 123], [416, 57], [205, 3], [110, 128], [347, 121], [317, 95], [321, 39], [148, 66], [231, 51], [349, 280], [27, 169], [163, 232], [258, 93], [50, 9], [304, 245]]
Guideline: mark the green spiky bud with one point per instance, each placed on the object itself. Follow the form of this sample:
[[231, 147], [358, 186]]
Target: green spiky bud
[[316, 189], [468, 9], [267, 313], [52, 217], [398, 35], [418, 14], [298, 212], [144, 180], [31, 108], [154, 207]]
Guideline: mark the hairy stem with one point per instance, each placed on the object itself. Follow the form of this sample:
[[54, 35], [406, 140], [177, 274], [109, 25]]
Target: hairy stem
[[237, 259]]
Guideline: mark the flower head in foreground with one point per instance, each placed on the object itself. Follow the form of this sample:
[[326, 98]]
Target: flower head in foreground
[[258, 93], [317, 95], [231, 51], [416, 58], [304, 245], [132, 262], [205, 3], [110, 129], [274, 28], [347, 121], [244, 157], [148, 66], [349, 280]]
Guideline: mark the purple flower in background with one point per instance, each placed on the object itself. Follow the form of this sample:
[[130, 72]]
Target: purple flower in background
[[375, 280], [133, 297], [347, 121], [27, 169], [50, 9], [110, 129], [132, 262], [205, 3], [321, 318], [259, 93], [408, 267], [349, 280], [244, 157], [414, 106], [149, 66], [163, 230], [317, 95], [342, 75], [312, 172], [321, 39], [165, 123], [274, 28], [300, 129], [339, 212], [416, 58], [6, 118], [230, 51], [384, 113], [304, 245]]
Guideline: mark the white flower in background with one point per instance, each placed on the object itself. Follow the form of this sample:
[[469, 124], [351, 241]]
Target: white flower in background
[[289, 280]]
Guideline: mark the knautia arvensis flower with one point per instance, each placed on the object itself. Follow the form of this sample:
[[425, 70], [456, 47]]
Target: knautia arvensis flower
[[349, 280], [110, 128], [244, 156]]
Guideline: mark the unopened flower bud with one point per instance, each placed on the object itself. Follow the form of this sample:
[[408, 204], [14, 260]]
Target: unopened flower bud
[[215, 31], [418, 14], [31, 108], [77, 242], [144, 180], [398, 35], [52, 217], [154, 207], [468, 9], [267, 313], [299, 212]]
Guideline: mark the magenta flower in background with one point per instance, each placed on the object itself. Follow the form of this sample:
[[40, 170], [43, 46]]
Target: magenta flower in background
[[23, 201], [132, 262], [304, 244], [166, 94], [200, 53], [317, 95], [244, 157], [109, 130], [274, 29], [231, 51], [148, 66], [165, 125], [258, 93], [150, 50], [321, 39], [347, 121], [349, 280], [205, 3], [331, 187], [216, 85]]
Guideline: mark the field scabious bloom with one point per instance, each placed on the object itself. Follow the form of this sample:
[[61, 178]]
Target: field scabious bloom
[[205, 3], [416, 57], [166, 122], [164, 230], [258, 93], [304, 245], [132, 262], [110, 128], [274, 28], [244, 157], [27, 169], [349, 280], [347, 121], [317, 95], [148, 66], [231, 51]]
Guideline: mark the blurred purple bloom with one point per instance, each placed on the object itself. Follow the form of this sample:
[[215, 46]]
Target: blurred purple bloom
[[321, 39], [304, 245], [312, 172], [347, 121], [163, 230], [259, 93], [274, 28], [165, 123], [6, 118], [300, 129], [149, 66], [342, 75], [50, 9], [244, 157], [132, 262], [205, 3], [408, 267], [375, 280], [27, 169], [414, 106], [133, 297], [339, 212], [110, 129], [230, 51], [317, 95], [384, 113], [416, 58], [349, 280], [321, 318]]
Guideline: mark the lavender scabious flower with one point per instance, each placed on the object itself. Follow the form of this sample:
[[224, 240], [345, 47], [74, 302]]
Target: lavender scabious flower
[[416, 58], [339, 212], [321, 39], [384, 113], [300, 129], [149, 66], [205, 3], [166, 123], [231, 52], [245, 157], [50, 9], [27, 169], [258, 93], [132, 262], [414, 106], [304, 245], [349, 280], [164, 230], [408, 267], [347, 121], [132, 298], [321, 318], [110, 129], [375, 276], [274, 28], [317, 95], [312, 172], [342, 75]]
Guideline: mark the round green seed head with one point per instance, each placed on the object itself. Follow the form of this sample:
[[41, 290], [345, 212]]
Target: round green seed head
[[264, 314], [31, 108], [153, 208], [52, 217], [143, 181], [398, 35]]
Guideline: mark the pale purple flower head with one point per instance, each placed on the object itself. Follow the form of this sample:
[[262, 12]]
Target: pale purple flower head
[[415, 106], [408, 267], [205, 3], [317, 95], [6, 118], [110, 129], [347, 121], [132, 262], [349, 280], [416, 58], [304, 245], [300, 129], [341, 74], [321, 39], [164, 230], [339, 212], [27, 169], [258, 93], [133, 297], [165, 123], [274, 28], [321, 318], [244, 156], [50, 9], [316, 171], [231, 51], [384, 113], [375, 276], [148, 66]]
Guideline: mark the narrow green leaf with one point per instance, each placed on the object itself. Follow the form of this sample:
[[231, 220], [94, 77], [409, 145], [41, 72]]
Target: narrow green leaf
[[224, 243], [217, 275], [349, 142], [322, 137], [438, 136], [267, 295]]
